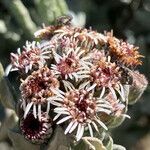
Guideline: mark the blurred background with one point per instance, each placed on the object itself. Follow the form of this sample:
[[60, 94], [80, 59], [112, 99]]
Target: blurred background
[[129, 19]]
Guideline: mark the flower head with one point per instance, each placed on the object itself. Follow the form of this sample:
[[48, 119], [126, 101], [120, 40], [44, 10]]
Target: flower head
[[96, 55], [124, 52], [36, 130], [105, 73], [32, 57], [36, 88], [86, 80], [79, 108], [118, 108], [71, 65]]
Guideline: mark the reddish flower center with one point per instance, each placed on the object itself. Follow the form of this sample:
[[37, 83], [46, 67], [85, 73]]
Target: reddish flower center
[[105, 74], [68, 65], [82, 105], [106, 71], [37, 85], [31, 125]]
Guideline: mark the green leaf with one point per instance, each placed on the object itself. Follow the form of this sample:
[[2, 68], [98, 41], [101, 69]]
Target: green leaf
[[8, 123], [20, 143], [109, 145], [116, 121], [90, 143], [59, 140], [118, 147], [6, 96]]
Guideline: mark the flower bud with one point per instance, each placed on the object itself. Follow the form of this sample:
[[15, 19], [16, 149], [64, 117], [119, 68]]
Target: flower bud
[[138, 86], [35, 130]]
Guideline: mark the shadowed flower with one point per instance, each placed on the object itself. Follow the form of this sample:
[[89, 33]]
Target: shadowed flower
[[83, 35], [35, 130], [118, 108], [87, 39], [33, 56], [79, 108], [46, 32], [35, 90]]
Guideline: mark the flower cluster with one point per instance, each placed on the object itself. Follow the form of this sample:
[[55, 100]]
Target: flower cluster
[[72, 77]]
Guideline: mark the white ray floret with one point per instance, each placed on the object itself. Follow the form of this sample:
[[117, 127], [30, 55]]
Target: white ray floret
[[27, 109]]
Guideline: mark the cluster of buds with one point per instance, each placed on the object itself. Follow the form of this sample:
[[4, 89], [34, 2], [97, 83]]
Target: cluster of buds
[[74, 77]]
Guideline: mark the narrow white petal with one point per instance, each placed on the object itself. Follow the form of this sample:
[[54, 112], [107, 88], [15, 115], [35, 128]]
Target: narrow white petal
[[83, 76], [59, 99], [60, 109], [14, 69], [39, 111], [26, 69], [91, 88], [122, 97], [103, 110], [73, 126], [64, 119], [34, 110], [57, 92], [105, 105], [90, 129], [80, 53], [78, 130], [63, 112], [61, 92], [122, 93], [19, 51], [83, 72], [14, 55], [69, 127], [83, 85], [75, 76], [80, 133], [27, 109], [56, 117], [48, 108], [103, 92], [127, 116], [56, 103], [30, 66], [95, 126], [69, 51], [85, 58], [102, 124], [113, 92], [77, 50], [8, 69], [68, 85], [70, 76]]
